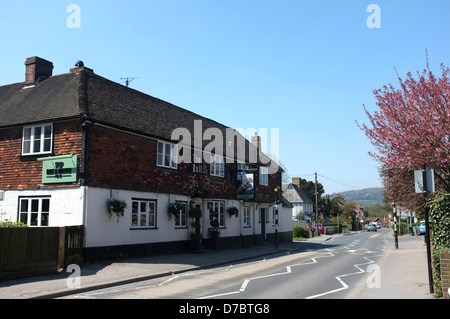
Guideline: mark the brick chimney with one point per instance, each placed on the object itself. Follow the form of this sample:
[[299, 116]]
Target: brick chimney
[[256, 140], [37, 69], [296, 181]]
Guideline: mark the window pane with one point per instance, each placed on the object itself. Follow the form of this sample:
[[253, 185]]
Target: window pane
[[34, 220], [134, 220], [26, 147], [37, 140], [221, 169], [47, 145], [35, 205], [151, 220], [160, 147], [23, 218], [48, 131], [27, 140], [27, 134], [134, 207], [44, 219], [45, 205], [174, 157], [160, 154], [24, 205], [143, 220], [36, 146], [167, 156]]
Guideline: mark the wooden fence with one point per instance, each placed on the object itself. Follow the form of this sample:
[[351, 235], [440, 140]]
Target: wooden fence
[[38, 250]]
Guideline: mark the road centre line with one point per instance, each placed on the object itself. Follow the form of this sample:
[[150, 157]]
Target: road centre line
[[344, 285], [288, 271]]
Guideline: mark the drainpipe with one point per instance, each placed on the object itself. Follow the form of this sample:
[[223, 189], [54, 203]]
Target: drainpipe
[[84, 173]]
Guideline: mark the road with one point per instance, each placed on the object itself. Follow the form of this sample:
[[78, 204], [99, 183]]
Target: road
[[338, 268]]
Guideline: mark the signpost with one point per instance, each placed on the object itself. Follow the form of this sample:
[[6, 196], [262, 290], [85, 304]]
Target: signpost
[[424, 183]]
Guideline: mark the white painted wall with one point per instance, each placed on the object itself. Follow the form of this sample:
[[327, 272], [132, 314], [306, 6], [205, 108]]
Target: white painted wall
[[66, 205], [101, 230], [87, 206]]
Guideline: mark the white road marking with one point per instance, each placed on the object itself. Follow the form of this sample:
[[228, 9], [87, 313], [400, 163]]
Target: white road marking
[[288, 271]]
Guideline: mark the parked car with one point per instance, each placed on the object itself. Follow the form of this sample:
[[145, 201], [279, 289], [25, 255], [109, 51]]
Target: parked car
[[422, 229], [314, 226], [372, 227], [378, 225]]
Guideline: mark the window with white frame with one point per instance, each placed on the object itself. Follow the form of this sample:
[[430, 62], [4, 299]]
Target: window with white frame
[[37, 139], [143, 213], [34, 211], [197, 165], [167, 155], [217, 211], [180, 217], [246, 221], [264, 176], [217, 166]]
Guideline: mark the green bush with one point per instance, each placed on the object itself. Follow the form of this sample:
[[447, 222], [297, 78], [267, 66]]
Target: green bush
[[300, 232], [440, 217], [10, 224]]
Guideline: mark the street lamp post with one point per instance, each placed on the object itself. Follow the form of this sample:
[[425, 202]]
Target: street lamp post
[[427, 229], [317, 213], [395, 225], [277, 190]]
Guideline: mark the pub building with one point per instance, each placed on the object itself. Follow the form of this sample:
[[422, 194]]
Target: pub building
[[79, 149]]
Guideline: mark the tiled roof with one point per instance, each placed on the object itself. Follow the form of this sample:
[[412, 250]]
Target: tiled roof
[[85, 94], [294, 194], [54, 98]]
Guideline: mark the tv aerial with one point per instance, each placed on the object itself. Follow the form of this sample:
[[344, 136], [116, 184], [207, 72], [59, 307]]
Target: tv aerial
[[128, 80]]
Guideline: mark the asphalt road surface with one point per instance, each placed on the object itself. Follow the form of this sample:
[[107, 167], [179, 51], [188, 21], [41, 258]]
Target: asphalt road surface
[[338, 268]]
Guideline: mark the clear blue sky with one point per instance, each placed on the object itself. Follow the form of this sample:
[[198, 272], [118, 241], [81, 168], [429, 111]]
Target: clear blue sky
[[304, 67]]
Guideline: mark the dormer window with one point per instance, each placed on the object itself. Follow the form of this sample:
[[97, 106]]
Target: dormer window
[[37, 139]]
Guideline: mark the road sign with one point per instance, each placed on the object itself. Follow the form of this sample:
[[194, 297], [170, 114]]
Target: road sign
[[418, 181]]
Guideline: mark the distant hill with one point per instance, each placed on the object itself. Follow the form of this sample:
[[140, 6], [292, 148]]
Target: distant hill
[[366, 196]]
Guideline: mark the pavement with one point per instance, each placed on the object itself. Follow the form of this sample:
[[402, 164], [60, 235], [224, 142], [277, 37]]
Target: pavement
[[404, 271]]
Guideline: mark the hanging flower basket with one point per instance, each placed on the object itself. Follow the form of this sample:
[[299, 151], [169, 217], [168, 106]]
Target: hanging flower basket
[[174, 209], [116, 206], [233, 211]]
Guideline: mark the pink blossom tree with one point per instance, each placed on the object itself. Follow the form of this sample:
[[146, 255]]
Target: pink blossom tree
[[412, 125]]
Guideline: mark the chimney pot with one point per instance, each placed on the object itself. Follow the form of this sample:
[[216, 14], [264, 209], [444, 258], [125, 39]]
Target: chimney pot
[[79, 66], [256, 140], [37, 69]]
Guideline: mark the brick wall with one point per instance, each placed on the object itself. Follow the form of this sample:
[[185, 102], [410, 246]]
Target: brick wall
[[25, 172], [125, 161], [117, 160], [267, 194], [445, 274]]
